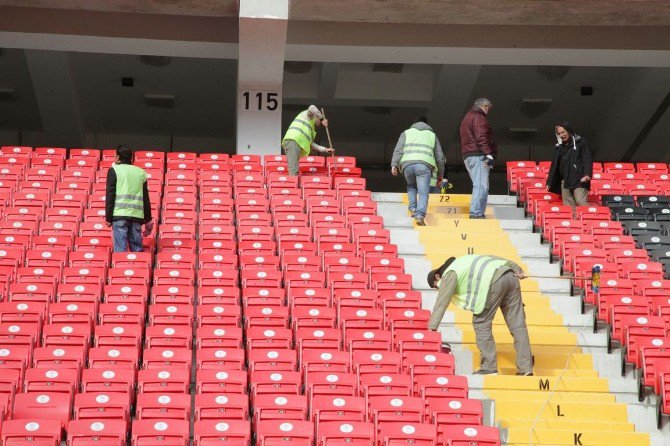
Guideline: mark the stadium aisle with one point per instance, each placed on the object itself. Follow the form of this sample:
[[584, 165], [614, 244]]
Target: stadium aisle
[[566, 402]]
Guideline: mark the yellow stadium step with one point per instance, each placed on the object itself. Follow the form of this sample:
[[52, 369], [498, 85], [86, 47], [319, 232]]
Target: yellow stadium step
[[446, 200], [534, 316], [548, 383], [538, 336], [558, 397], [575, 426], [544, 361], [576, 437], [541, 370], [519, 408]]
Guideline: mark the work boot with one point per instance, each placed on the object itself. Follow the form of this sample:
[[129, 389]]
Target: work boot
[[419, 221], [485, 372], [524, 374]]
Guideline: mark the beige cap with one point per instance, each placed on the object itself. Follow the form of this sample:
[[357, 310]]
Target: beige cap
[[315, 111]]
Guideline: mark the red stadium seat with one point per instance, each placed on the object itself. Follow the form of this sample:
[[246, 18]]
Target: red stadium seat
[[436, 385], [272, 360], [163, 406], [403, 433], [274, 432], [102, 406], [213, 406], [113, 357], [215, 432], [338, 408], [221, 381], [108, 380], [43, 406], [162, 358], [223, 337], [152, 432], [385, 384], [282, 407], [468, 435], [454, 411], [220, 359], [34, 431], [97, 432], [393, 409], [334, 433], [313, 361], [163, 380], [168, 336], [274, 382]]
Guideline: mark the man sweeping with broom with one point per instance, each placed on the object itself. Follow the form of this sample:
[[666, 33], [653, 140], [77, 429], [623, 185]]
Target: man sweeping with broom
[[299, 138], [482, 284]]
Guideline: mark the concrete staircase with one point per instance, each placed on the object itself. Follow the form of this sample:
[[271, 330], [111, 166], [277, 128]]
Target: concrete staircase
[[577, 387]]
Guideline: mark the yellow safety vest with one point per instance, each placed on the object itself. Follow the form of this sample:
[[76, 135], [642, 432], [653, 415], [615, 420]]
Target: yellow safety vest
[[302, 131], [129, 191], [419, 146], [474, 274]]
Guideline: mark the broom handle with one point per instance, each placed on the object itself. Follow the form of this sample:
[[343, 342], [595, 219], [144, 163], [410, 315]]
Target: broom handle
[[330, 142], [560, 277]]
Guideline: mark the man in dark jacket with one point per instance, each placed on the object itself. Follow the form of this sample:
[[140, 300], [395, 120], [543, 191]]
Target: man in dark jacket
[[418, 154], [571, 168], [127, 204], [479, 151]]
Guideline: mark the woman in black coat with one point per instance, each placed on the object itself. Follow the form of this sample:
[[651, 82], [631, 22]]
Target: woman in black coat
[[572, 167]]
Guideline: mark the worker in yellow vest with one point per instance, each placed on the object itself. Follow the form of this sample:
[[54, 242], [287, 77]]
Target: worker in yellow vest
[[482, 284], [417, 155], [299, 138], [127, 205]]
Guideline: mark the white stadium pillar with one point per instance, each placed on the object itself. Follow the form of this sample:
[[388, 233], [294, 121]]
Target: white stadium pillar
[[262, 47]]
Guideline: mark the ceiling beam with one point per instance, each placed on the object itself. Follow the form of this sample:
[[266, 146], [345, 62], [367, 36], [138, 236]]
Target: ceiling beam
[[56, 97], [633, 109], [454, 85], [328, 80], [647, 129]]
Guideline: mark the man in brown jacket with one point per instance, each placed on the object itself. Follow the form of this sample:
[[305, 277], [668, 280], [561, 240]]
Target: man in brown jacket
[[479, 151]]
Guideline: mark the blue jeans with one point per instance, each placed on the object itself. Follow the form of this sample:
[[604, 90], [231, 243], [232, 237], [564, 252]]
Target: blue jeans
[[479, 174], [127, 232], [417, 176]]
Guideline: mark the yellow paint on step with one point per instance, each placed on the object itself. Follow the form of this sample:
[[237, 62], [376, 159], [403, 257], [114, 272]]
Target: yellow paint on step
[[544, 360], [549, 383], [576, 437], [542, 370], [538, 395], [535, 315], [529, 410], [576, 426], [545, 337]]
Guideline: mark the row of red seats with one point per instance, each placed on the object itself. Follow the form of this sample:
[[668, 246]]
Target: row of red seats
[[182, 162], [632, 297], [608, 167], [535, 184], [110, 154], [608, 178], [174, 432]]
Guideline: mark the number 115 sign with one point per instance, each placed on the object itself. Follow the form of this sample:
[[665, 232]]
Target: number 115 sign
[[259, 100]]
